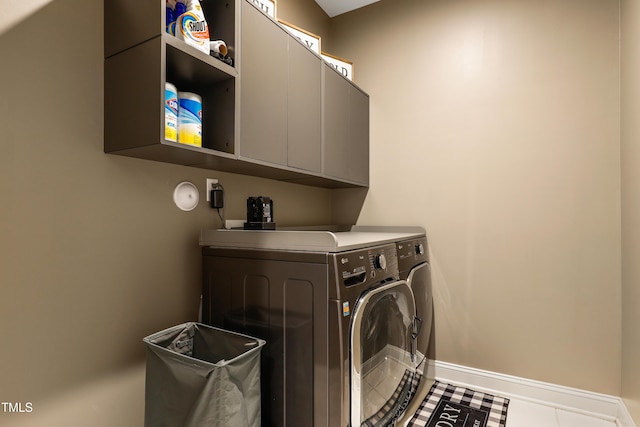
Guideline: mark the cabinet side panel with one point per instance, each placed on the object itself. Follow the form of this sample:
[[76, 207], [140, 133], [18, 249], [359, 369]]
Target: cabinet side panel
[[128, 23], [304, 109], [221, 18], [263, 105], [218, 116], [358, 136], [334, 125], [134, 97]]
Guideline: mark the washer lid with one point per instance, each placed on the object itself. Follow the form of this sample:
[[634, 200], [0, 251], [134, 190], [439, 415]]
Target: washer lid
[[301, 240]]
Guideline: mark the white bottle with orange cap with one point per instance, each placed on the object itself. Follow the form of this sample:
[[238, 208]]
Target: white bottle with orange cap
[[191, 26]]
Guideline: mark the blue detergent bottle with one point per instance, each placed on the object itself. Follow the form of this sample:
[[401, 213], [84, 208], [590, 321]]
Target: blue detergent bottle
[[170, 16]]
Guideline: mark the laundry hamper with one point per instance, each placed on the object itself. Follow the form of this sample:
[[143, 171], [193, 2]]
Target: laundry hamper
[[201, 376]]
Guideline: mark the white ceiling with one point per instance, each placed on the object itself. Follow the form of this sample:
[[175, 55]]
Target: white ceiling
[[338, 7]]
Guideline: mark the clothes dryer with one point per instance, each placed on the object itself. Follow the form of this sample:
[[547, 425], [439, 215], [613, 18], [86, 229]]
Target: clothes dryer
[[339, 323], [414, 267]]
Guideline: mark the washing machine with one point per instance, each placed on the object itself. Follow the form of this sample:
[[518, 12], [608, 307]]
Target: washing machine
[[414, 268], [340, 324]]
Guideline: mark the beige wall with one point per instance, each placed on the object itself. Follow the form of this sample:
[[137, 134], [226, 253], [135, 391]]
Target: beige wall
[[94, 255], [630, 136], [495, 125], [305, 14]]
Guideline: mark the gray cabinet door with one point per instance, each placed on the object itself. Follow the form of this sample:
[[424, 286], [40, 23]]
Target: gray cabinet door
[[358, 136], [345, 128], [335, 124], [295, 110], [263, 88], [304, 108]]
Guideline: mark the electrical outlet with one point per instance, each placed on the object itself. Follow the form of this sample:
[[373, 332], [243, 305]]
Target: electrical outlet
[[210, 183]]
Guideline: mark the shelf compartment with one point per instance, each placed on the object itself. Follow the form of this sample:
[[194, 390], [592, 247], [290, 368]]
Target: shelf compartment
[[134, 95], [130, 23], [192, 71]]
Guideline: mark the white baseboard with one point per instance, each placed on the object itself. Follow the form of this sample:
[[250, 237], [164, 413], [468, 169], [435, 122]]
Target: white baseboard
[[624, 417], [567, 398]]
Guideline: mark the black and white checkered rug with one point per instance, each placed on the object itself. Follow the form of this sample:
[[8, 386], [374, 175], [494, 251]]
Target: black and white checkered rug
[[452, 406]]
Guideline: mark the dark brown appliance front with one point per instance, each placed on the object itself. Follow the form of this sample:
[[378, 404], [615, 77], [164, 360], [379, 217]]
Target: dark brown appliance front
[[285, 303], [301, 304]]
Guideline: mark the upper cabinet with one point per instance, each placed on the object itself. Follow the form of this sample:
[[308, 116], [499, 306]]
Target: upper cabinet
[[345, 129], [263, 93], [280, 107], [305, 108], [274, 112]]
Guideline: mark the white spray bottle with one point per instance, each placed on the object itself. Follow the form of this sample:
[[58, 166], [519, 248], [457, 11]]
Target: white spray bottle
[[192, 27]]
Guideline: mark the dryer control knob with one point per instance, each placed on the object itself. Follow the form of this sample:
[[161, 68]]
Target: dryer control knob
[[420, 249], [379, 261]]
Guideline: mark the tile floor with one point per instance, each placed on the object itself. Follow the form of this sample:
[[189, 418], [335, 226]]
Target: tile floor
[[522, 413]]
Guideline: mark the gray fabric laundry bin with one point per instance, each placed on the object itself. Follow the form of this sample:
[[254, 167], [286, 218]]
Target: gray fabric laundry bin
[[201, 376]]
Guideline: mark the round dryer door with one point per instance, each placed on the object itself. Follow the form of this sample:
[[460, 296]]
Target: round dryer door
[[382, 348]]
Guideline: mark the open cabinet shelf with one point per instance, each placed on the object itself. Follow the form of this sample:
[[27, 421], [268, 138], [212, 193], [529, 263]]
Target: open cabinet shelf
[[140, 62]]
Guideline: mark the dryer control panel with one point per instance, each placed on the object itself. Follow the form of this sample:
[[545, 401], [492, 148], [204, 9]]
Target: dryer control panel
[[364, 267], [412, 252]]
